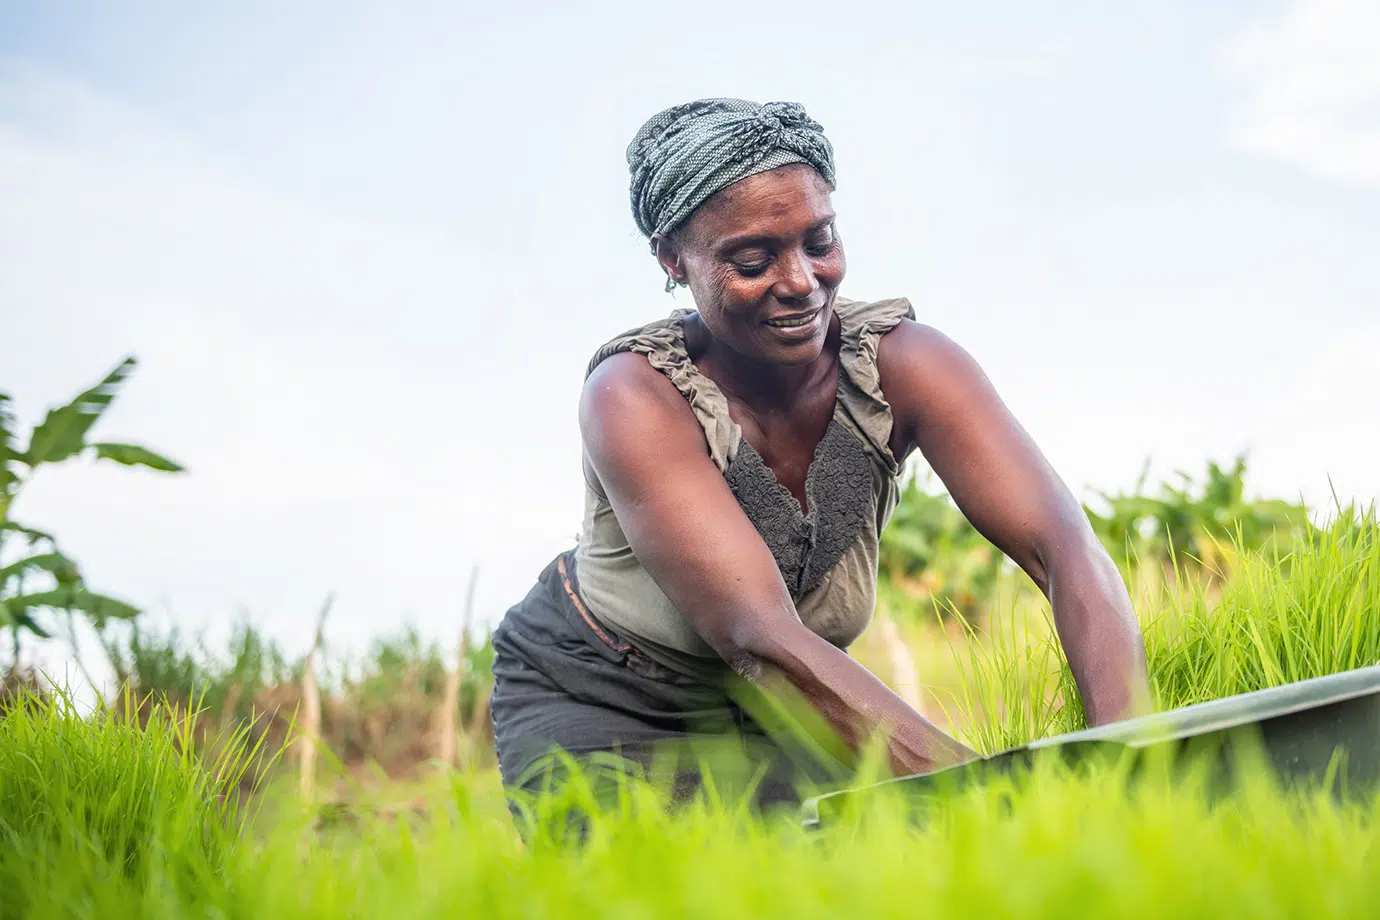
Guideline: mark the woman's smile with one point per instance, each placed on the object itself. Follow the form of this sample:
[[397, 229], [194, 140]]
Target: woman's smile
[[797, 327]]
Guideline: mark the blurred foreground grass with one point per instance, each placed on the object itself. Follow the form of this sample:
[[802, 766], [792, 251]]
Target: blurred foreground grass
[[107, 818], [147, 811]]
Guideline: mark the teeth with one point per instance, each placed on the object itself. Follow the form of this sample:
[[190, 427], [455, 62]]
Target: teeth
[[785, 323]]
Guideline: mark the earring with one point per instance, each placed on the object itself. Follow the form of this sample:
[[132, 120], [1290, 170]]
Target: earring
[[670, 285]]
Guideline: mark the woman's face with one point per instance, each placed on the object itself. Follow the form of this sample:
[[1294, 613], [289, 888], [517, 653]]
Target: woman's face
[[764, 263]]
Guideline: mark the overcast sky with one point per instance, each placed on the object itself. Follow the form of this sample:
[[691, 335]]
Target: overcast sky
[[363, 252]]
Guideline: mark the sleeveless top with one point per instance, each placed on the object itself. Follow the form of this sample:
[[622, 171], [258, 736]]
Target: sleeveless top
[[828, 557]]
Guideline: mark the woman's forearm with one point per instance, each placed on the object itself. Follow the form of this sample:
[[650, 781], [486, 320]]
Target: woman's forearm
[[856, 704], [1099, 633]]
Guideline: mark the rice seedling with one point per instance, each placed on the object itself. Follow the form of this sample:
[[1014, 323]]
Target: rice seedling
[[119, 794], [1284, 615], [1052, 841], [1287, 616]]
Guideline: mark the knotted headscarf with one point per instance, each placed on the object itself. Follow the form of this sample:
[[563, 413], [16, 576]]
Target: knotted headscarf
[[685, 154]]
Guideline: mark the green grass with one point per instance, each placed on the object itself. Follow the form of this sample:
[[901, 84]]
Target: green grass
[[1053, 842], [113, 815], [1312, 611], [1309, 610], [110, 799]]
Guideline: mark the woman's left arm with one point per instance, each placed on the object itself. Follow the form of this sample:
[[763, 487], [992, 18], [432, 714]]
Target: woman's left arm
[[944, 405]]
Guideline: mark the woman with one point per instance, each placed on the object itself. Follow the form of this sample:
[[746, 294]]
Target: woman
[[740, 463]]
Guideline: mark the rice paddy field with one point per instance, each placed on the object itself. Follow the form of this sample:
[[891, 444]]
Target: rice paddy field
[[116, 814]]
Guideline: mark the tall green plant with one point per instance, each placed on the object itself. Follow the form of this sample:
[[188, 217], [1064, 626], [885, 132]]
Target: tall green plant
[[1281, 617], [120, 793], [1203, 525], [35, 576]]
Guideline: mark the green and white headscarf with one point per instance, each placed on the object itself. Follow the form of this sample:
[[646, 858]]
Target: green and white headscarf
[[685, 154]]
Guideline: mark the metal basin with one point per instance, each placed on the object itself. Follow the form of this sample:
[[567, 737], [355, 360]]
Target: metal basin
[[1301, 729]]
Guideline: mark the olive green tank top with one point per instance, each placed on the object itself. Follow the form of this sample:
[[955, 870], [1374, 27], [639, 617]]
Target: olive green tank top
[[828, 557]]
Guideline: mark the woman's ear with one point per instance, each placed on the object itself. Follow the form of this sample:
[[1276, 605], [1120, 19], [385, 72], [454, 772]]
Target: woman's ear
[[668, 255]]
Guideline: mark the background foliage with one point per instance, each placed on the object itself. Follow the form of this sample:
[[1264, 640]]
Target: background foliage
[[37, 579]]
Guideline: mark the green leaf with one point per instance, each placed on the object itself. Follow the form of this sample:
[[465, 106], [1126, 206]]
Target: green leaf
[[56, 564], [97, 606], [63, 432], [10, 620], [134, 455], [33, 535], [7, 452], [24, 621]]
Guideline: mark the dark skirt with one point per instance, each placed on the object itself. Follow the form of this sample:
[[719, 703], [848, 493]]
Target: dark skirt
[[563, 681]]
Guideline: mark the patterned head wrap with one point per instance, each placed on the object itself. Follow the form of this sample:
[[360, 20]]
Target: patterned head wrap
[[686, 153]]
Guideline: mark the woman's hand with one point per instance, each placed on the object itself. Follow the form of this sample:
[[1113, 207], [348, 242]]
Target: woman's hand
[[650, 458], [944, 405]]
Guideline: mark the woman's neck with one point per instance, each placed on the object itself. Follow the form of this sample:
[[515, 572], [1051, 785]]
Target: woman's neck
[[762, 386]]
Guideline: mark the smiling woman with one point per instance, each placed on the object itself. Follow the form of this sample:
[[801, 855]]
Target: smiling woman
[[741, 460]]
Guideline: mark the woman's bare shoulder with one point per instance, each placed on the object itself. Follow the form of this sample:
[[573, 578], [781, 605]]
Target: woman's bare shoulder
[[925, 375], [626, 385], [625, 401]]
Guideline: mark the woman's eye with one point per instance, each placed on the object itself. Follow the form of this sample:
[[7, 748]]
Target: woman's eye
[[751, 267], [821, 247]]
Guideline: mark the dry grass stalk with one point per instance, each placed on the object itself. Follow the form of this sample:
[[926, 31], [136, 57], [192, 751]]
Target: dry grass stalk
[[905, 677], [311, 716], [227, 709], [450, 699]]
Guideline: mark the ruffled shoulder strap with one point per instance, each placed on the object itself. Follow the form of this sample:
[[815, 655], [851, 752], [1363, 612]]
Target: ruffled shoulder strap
[[663, 344], [862, 407]]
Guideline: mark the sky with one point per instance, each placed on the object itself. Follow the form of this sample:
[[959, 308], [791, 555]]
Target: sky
[[363, 253]]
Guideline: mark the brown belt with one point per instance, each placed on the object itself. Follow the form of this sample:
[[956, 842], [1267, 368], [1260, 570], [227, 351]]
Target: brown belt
[[604, 637]]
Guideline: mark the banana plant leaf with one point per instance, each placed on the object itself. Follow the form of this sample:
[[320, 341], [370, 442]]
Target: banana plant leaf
[[56, 564], [63, 431], [135, 455], [98, 606], [9, 620], [32, 533], [7, 452]]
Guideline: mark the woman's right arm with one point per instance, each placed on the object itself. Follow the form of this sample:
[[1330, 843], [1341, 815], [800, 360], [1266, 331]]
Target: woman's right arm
[[650, 458]]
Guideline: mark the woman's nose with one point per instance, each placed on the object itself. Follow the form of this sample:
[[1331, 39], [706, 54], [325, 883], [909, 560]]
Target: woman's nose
[[797, 278]]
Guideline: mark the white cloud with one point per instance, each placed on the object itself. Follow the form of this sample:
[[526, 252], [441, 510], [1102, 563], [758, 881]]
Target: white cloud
[[1311, 75]]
